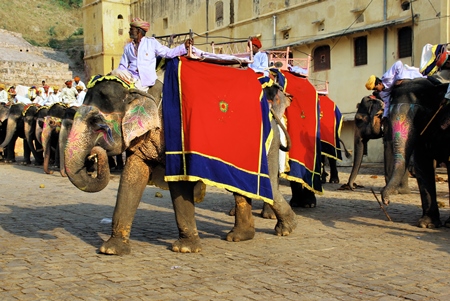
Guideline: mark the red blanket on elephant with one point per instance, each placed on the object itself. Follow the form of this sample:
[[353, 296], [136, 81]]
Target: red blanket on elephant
[[216, 124], [330, 127], [303, 128]]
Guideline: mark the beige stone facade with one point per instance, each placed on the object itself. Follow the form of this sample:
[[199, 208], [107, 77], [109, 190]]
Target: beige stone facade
[[348, 40]]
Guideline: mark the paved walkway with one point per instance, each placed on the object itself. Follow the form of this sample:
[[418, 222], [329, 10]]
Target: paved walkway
[[345, 249]]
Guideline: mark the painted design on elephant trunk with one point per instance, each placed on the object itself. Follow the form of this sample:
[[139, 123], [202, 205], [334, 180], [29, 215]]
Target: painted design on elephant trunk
[[400, 128]]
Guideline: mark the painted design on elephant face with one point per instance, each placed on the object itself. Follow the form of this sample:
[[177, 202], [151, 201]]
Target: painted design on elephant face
[[137, 120], [111, 125]]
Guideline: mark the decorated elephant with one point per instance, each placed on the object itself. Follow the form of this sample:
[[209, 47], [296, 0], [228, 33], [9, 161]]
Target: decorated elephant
[[15, 130], [30, 115], [50, 134], [115, 118], [420, 122], [368, 126]]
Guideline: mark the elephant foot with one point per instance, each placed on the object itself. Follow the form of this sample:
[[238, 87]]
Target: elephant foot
[[286, 226], [116, 246], [306, 200], [334, 180], [323, 177], [241, 234], [10, 161], [38, 163], [348, 187], [428, 222], [187, 245], [267, 212], [25, 163]]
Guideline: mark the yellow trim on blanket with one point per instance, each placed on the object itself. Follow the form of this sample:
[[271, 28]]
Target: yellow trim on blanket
[[218, 185], [97, 78]]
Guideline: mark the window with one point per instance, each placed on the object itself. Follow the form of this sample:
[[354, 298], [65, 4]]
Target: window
[[322, 58], [219, 12], [404, 42], [360, 46], [165, 23], [120, 18]]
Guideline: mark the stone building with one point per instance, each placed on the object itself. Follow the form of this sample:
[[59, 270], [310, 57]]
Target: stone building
[[347, 40]]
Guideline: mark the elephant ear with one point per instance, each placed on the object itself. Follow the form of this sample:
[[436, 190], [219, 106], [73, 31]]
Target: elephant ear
[[140, 117]]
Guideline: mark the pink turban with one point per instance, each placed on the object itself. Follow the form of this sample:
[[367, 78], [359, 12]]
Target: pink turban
[[138, 22]]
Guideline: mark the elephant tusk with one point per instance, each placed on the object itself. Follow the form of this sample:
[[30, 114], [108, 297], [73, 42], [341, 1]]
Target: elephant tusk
[[94, 159]]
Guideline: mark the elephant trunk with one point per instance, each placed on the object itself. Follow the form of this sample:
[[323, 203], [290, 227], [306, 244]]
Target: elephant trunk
[[46, 139], [358, 154], [63, 134], [86, 165], [402, 135], [10, 130], [30, 138]]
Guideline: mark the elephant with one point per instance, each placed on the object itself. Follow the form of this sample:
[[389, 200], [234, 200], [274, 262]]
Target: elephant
[[107, 124], [368, 126], [50, 134], [30, 114], [15, 130], [420, 122]]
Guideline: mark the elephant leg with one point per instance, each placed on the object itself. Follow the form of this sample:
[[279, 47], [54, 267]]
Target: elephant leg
[[334, 175], [427, 187], [182, 194], [10, 154], [26, 153], [301, 196], [244, 224], [132, 184], [267, 212]]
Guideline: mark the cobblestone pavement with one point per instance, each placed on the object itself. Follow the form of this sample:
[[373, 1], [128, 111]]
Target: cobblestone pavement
[[345, 249]]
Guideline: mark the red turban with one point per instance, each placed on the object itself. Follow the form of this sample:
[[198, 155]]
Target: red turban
[[256, 42], [138, 22]]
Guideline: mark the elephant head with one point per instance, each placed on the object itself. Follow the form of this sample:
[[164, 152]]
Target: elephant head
[[367, 126], [413, 104], [50, 133], [111, 119], [14, 122]]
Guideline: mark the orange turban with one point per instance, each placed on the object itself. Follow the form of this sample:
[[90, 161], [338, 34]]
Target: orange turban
[[138, 22], [256, 42]]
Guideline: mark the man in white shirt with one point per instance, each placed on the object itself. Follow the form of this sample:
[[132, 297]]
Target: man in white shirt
[[397, 72], [260, 60], [78, 82], [138, 62], [54, 97], [69, 94], [80, 96], [3, 94]]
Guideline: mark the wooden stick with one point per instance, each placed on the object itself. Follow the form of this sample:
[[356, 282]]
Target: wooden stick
[[440, 107], [381, 205]]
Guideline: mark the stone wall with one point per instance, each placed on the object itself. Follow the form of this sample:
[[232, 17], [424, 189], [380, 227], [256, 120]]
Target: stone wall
[[24, 64]]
